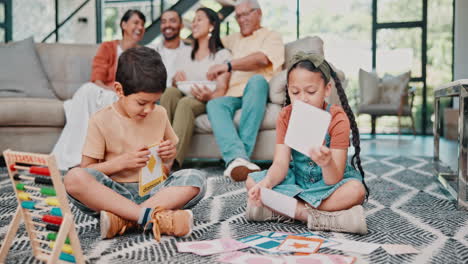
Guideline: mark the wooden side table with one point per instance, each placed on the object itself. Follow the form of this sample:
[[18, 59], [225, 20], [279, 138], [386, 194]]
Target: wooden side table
[[455, 184]]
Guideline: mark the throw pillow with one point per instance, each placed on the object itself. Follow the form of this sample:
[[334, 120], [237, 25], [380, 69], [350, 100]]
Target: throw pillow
[[21, 71], [392, 87], [278, 88], [369, 87]]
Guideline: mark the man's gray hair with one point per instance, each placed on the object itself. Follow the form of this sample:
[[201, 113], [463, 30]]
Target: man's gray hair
[[253, 3]]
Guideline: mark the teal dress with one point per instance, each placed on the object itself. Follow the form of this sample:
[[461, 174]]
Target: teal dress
[[305, 178]]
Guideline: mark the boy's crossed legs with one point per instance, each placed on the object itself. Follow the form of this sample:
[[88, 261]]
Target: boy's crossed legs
[[341, 211], [121, 208]]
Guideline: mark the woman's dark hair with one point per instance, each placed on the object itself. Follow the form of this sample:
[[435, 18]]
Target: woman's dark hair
[[128, 14], [356, 159], [214, 44], [141, 69]]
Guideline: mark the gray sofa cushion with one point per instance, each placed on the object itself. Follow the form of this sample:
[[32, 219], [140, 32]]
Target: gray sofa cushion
[[277, 88], [21, 71], [203, 126], [31, 112], [68, 66]]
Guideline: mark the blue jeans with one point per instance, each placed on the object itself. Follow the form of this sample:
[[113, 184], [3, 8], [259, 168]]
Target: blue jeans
[[239, 143]]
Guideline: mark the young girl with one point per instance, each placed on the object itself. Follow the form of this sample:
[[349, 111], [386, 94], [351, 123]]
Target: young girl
[[329, 191]]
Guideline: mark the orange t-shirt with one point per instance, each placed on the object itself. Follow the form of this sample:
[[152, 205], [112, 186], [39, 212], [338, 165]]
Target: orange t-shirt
[[105, 63], [111, 134], [338, 130]]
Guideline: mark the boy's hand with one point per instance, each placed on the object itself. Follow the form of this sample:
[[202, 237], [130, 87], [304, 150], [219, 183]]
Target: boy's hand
[[321, 155], [254, 192], [167, 150], [135, 159]]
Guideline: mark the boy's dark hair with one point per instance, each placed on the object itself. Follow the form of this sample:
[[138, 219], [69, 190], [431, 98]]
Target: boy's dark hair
[[308, 65], [128, 14], [141, 69], [214, 43]]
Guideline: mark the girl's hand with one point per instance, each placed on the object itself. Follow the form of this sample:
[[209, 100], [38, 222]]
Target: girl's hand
[[201, 93], [321, 155], [167, 150], [254, 192], [135, 159]]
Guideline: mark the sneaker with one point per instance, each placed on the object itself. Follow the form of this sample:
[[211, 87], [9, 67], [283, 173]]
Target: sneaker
[[263, 214], [177, 223], [111, 225], [239, 169], [347, 221]]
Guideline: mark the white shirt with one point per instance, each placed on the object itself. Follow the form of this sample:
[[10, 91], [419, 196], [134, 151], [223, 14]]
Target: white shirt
[[169, 56], [196, 70]]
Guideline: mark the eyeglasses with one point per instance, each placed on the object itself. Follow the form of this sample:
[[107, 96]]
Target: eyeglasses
[[245, 14]]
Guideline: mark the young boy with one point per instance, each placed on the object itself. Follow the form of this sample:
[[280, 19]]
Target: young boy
[[115, 151]]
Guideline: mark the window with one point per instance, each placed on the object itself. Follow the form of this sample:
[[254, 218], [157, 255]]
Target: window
[[399, 10], [38, 21], [2, 12], [399, 50], [280, 15]]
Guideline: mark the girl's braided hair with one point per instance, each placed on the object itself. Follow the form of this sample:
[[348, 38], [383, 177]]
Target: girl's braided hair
[[307, 61]]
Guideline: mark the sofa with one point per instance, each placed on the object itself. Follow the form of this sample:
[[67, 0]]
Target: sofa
[[32, 123]]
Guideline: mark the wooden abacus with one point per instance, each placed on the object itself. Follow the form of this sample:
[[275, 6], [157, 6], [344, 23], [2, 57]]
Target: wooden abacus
[[65, 244]]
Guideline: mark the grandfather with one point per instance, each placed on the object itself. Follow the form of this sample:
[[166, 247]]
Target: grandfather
[[258, 54]]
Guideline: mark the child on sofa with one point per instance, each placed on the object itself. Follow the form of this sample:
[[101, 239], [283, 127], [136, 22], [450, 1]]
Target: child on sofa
[[115, 151], [329, 191]]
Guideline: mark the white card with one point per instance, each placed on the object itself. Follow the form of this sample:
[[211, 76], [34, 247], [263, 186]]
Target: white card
[[278, 202], [307, 127], [395, 249], [355, 246], [152, 174]]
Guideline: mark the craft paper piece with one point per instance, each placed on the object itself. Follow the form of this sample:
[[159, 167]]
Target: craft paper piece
[[320, 258], [246, 258], [210, 247], [307, 127], [152, 174], [278, 202], [327, 242], [266, 241], [395, 249], [355, 246], [300, 244]]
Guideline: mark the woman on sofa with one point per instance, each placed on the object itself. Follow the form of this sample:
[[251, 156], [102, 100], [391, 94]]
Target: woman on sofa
[[207, 50], [97, 93]]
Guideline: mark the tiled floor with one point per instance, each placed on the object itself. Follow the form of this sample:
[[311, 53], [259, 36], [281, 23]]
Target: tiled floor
[[408, 145]]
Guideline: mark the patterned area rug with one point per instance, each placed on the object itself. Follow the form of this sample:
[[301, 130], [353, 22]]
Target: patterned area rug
[[406, 206]]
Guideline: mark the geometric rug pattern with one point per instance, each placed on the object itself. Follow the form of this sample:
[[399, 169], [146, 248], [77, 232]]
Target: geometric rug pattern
[[406, 206]]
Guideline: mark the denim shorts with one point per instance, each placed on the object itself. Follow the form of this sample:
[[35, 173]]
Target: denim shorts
[[129, 190]]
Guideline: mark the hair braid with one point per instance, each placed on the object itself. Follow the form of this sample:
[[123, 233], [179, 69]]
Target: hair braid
[[355, 160]]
